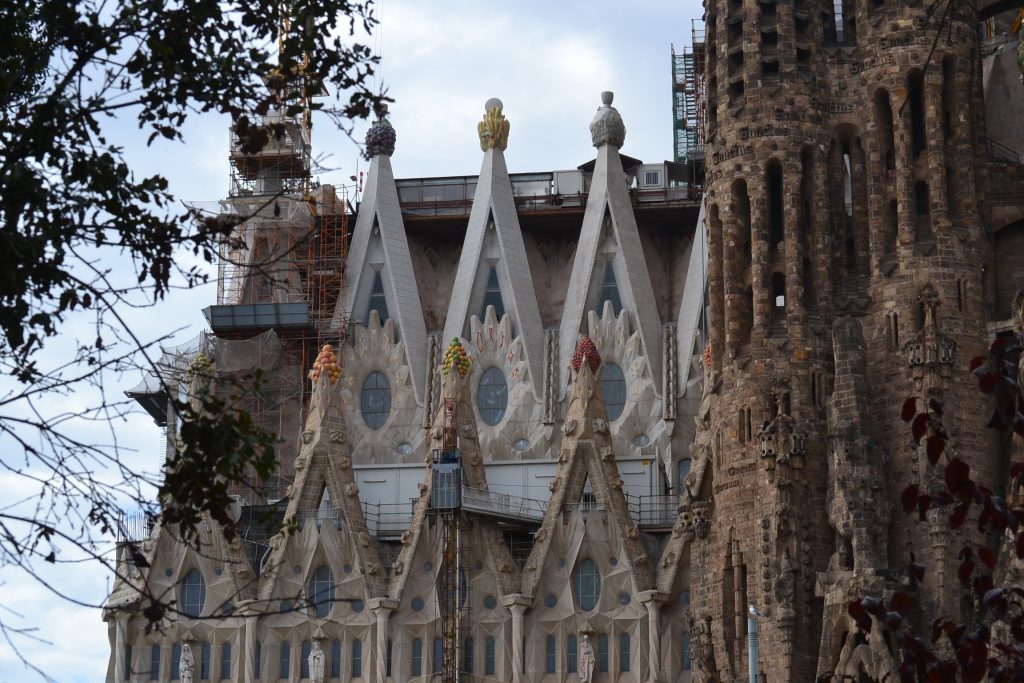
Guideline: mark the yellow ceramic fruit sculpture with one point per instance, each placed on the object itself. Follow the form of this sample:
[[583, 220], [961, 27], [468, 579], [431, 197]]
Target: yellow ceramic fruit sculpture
[[326, 363]]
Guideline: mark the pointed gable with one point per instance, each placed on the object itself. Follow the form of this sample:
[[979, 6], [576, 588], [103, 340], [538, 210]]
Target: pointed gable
[[587, 467], [325, 489], [380, 272], [609, 264], [493, 268]]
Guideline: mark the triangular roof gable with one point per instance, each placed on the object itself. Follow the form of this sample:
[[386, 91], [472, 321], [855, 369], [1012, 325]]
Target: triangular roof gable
[[587, 446], [379, 224], [323, 461], [494, 204], [609, 209]]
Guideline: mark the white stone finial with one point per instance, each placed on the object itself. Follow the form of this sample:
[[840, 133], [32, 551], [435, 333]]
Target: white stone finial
[[607, 127]]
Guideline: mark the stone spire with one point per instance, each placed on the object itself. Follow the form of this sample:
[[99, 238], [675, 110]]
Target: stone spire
[[607, 127]]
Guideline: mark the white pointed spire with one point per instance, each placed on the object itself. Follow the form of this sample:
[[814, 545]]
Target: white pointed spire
[[379, 247], [501, 249], [610, 235]]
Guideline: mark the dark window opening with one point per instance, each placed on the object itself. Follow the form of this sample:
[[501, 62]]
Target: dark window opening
[[770, 69], [778, 294], [851, 253], [921, 198], [609, 290], [378, 302], [886, 139], [810, 290], [492, 296]]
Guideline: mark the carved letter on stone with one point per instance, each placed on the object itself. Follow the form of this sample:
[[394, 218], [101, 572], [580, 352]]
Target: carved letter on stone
[[337, 436]]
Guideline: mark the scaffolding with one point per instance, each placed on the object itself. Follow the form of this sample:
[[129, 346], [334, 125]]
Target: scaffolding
[[688, 103]]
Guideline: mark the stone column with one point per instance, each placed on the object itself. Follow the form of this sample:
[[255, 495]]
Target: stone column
[[247, 662], [120, 635], [517, 604], [383, 608], [653, 601]]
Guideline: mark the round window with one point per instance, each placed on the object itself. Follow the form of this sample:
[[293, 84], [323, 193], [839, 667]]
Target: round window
[[375, 400], [613, 386], [492, 396], [550, 600], [490, 602], [417, 604]]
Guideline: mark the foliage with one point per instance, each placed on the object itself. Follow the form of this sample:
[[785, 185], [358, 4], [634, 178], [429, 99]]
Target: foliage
[[74, 217], [989, 645]]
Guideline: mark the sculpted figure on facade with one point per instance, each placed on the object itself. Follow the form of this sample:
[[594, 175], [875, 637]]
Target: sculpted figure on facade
[[586, 659], [607, 127], [187, 664], [316, 663]]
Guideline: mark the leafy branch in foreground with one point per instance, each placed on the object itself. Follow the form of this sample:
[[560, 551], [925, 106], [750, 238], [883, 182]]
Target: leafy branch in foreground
[[86, 240]]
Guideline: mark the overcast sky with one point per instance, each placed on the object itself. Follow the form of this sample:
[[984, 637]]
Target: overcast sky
[[440, 61]]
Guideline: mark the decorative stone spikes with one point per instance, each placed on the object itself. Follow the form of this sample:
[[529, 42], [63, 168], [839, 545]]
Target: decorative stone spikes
[[493, 130], [586, 352], [380, 139], [607, 127], [456, 358], [326, 363]]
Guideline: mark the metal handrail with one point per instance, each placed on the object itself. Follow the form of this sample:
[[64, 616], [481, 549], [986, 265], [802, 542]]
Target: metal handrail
[[997, 150], [502, 504]]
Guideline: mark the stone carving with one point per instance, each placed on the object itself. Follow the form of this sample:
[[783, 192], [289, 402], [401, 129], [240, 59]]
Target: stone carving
[[856, 507], [702, 650], [785, 584], [586, 659], [493, 130], [316, 663], [336, 436], [607, 127], [307, 436], [381, 137], [866, 654], [782, 443], [186, 665], [930, 352], [600, 425]]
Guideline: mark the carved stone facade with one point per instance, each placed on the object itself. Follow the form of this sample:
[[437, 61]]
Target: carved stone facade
[[635, 474], [847, 224]]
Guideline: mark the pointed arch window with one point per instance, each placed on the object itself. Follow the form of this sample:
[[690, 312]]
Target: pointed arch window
[[378, 302], [587, 585], [193, 593], [492, 296], [609, 290], [613, 386], [321, 591]]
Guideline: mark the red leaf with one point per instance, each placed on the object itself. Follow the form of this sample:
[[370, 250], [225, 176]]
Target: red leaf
[[909, 409], [965, 571], [909, 498], [936, 446], [987, 556], [920, 426], [987, 382], [976, 363], [958, 473], [959, 516]]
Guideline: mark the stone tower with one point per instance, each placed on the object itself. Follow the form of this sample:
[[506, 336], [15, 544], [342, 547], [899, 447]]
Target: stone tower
[[844, 176]]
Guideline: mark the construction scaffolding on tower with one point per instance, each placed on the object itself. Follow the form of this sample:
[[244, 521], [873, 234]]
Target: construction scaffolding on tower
[[281, 275], [688, 104]]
